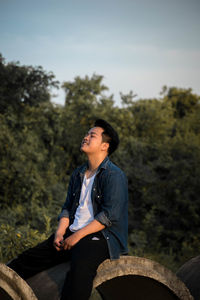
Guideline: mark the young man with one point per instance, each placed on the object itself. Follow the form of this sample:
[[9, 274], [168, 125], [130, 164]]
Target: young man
[[93, 223]]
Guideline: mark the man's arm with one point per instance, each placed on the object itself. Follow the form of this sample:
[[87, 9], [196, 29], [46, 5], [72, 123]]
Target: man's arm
[[68, 202], [63, 218], [62, 226], [115, 199], [92, 227]]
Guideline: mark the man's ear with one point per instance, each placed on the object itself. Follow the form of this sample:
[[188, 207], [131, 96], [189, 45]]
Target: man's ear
[[105, 146]]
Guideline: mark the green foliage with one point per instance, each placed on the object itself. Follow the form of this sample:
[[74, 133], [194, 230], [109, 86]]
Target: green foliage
[[17, 240], [21, 85], [40, 146], [182, 100]]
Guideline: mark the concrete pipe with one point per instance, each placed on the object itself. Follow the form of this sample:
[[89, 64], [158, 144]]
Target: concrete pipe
[[139, 279], [189, 273], [124, 279], [13, 287]]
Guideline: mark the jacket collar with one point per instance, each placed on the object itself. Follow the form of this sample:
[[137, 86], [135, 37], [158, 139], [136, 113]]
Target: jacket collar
[[103, 165]]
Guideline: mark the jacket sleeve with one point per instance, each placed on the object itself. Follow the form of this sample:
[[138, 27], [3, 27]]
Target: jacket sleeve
[[68, 201], [114, 198]]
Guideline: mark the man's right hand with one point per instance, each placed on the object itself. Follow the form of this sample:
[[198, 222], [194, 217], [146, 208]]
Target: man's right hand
[[58, 241], [62, 227]]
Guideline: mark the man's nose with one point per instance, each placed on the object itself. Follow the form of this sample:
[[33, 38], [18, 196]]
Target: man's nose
[[86, 137]]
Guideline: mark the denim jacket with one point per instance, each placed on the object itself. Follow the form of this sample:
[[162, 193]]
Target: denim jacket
[[110, 203]]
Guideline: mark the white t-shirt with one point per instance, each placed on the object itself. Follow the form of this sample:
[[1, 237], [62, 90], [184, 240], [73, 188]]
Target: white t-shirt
[[84, 213]]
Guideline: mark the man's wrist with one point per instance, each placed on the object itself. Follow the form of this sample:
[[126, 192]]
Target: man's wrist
[[59, 234], [80, 233], [60, 231]]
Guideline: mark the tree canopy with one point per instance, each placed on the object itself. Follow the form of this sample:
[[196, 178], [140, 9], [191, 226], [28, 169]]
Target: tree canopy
[[40, 146]]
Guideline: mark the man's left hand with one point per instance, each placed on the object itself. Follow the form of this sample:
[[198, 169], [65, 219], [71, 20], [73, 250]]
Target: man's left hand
[[71, 241]]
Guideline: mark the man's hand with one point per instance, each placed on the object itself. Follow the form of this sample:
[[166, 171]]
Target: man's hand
[[71, 241], [58, 242], [62, 227]]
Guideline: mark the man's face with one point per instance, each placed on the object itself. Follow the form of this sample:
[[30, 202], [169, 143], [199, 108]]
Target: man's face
[[92, 142]]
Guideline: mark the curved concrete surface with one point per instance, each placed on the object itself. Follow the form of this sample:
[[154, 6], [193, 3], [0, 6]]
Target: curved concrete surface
[[12, 286], [189, 273], [124, 279], [138, 278]]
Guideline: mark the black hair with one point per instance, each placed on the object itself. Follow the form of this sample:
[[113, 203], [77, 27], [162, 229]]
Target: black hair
[[109, 135]]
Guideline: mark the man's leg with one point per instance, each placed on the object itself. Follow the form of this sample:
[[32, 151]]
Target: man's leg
[[38, 258], [86, 256]]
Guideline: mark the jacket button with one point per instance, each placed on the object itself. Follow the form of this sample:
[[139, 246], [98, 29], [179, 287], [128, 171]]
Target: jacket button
[[94, 189], [76, 204], [107, 238], [73, 194]]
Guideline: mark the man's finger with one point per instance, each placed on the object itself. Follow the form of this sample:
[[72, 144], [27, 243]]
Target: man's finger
[[67, 247], [57, 246]]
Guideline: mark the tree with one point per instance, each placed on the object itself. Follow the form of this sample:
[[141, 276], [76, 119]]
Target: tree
[[183, 101], [84, 90], [21, 85]]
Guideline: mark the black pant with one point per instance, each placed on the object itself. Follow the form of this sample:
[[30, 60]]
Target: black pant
[[85, 257]]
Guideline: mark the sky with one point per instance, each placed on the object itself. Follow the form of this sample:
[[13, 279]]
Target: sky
[[138, 45]]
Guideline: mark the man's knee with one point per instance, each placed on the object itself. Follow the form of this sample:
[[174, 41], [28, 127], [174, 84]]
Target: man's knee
[[81, 268]]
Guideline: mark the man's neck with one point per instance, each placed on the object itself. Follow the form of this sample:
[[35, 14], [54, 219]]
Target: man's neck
[[94, 162]]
